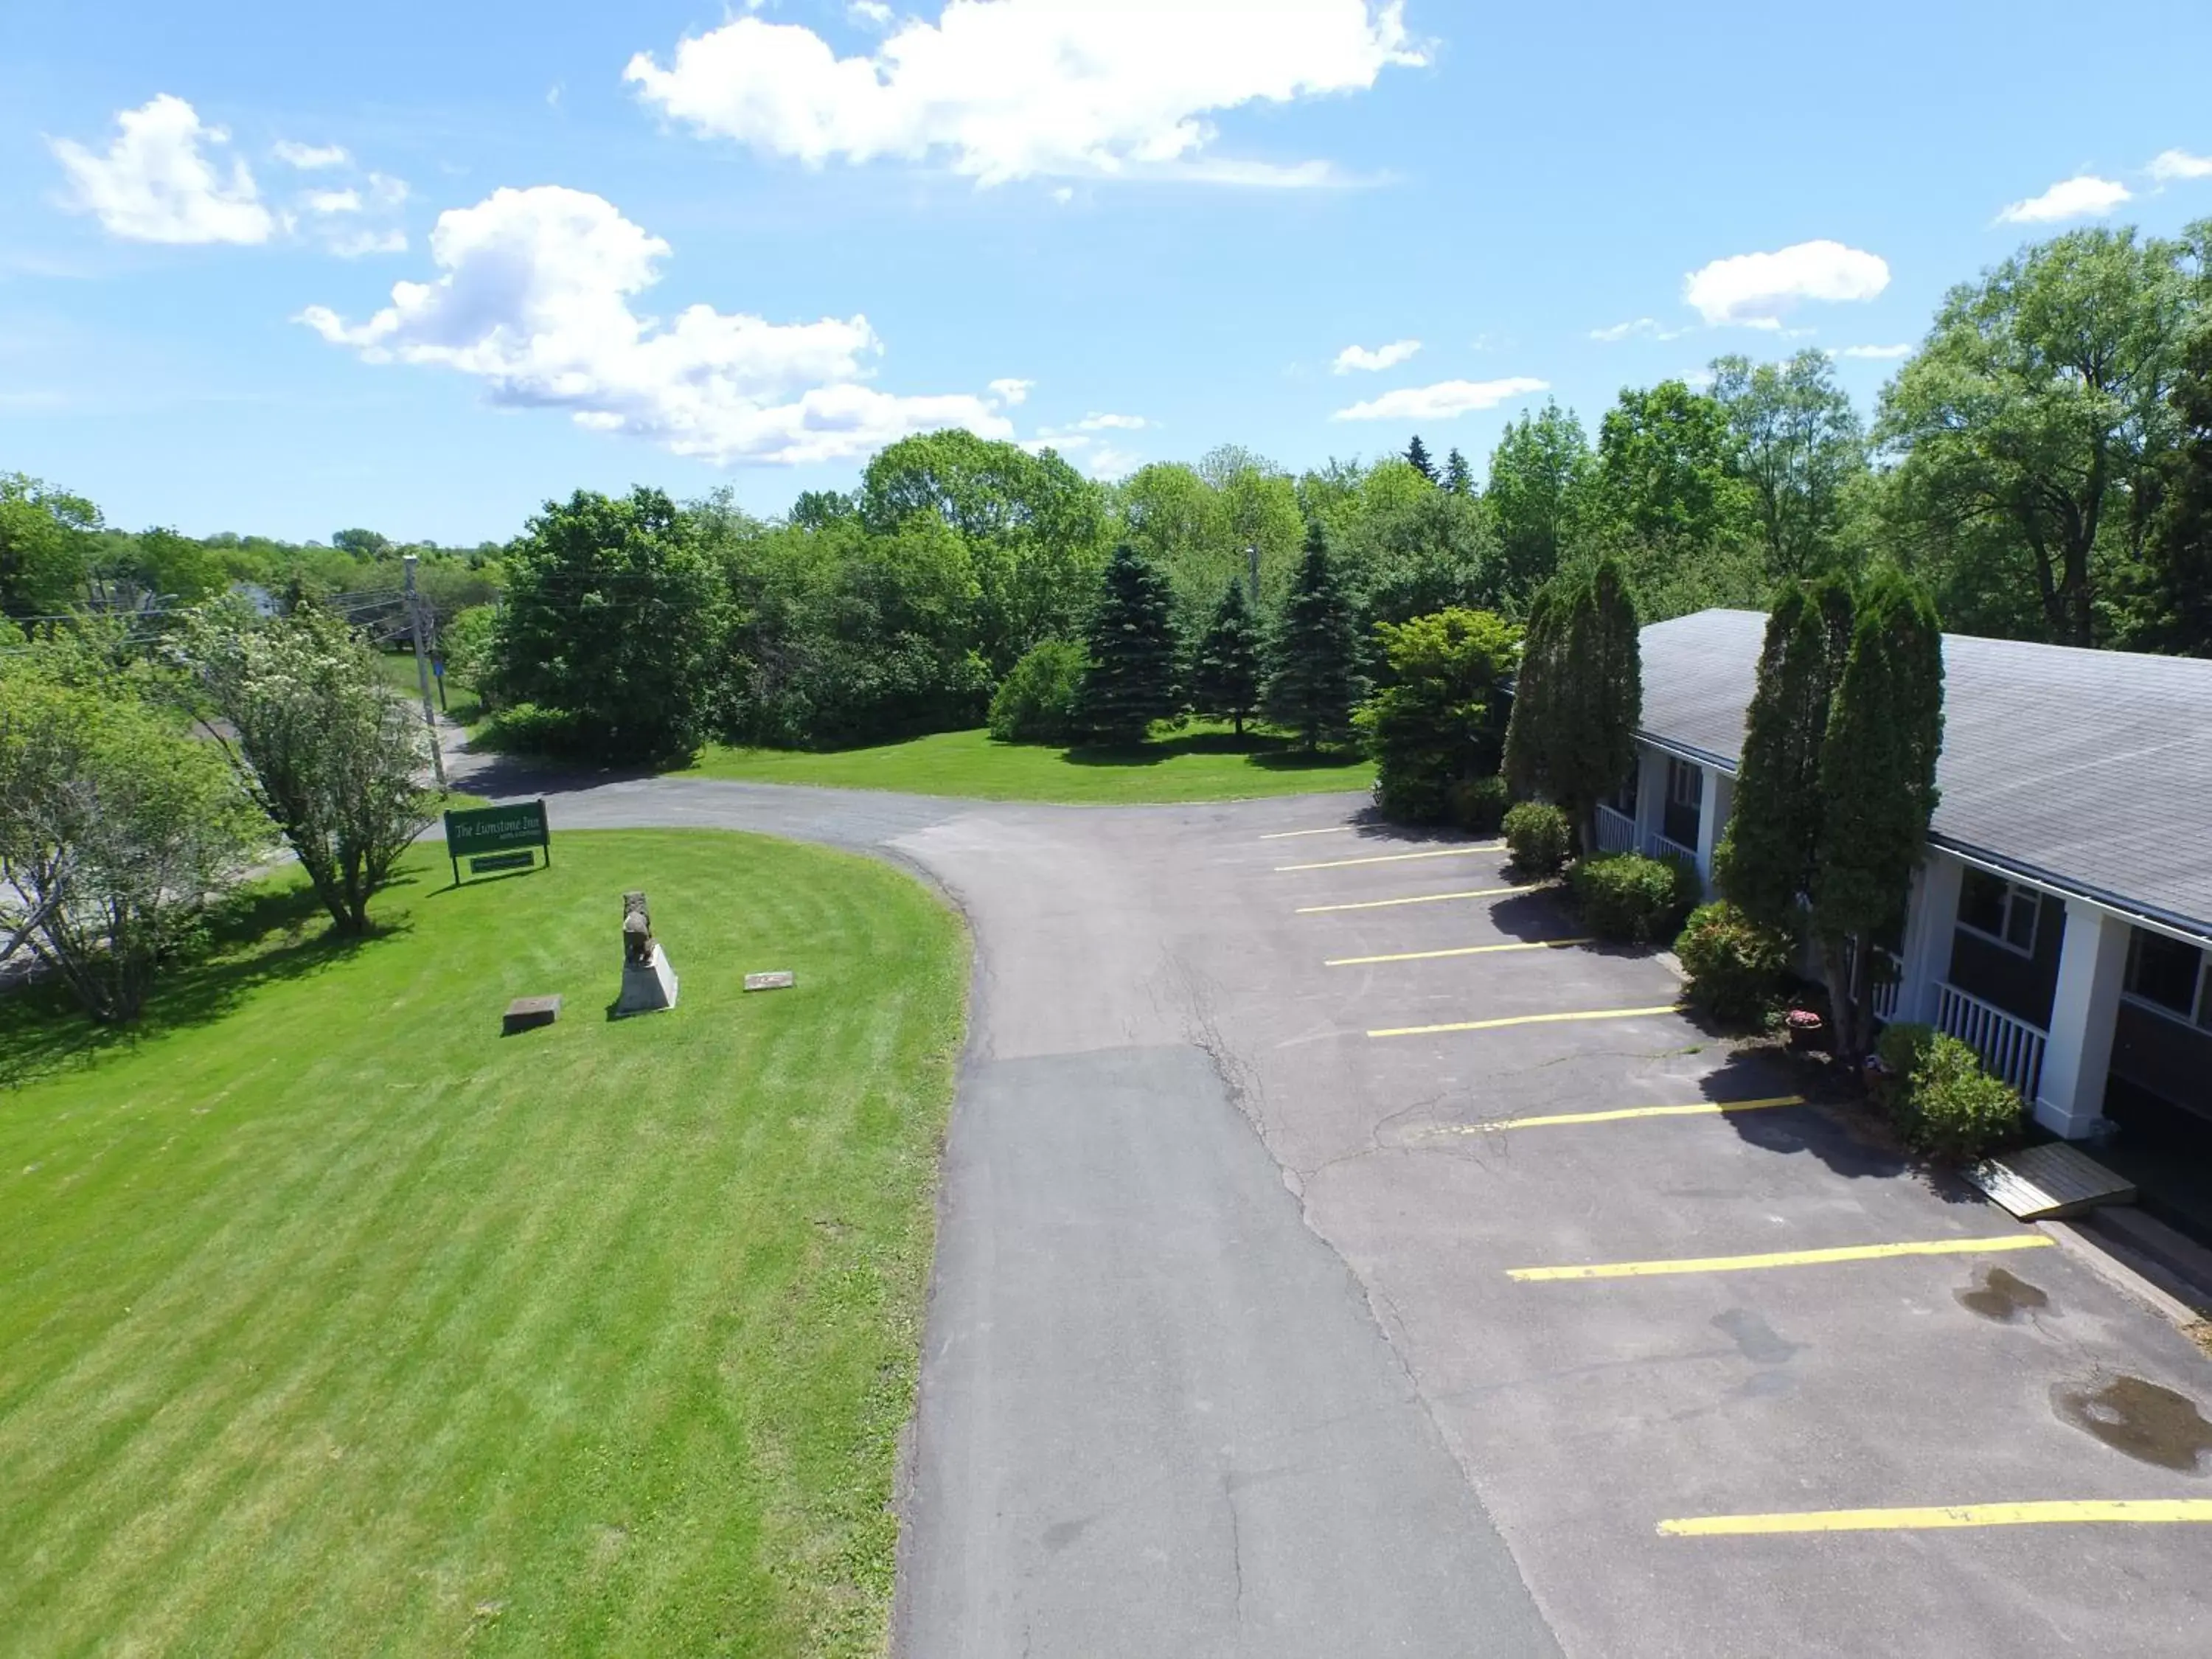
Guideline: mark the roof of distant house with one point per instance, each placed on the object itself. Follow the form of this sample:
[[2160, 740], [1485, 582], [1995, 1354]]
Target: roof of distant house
[[2090, 771]]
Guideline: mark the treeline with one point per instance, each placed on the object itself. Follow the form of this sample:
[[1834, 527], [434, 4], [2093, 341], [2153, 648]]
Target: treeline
[[2041, 464], [59, 556]]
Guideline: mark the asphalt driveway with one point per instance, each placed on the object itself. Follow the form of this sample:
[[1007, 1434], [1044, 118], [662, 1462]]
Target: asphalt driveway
[[1265, 1320]]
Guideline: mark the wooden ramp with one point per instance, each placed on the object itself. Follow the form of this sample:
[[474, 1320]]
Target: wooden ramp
[[2041, 1183]]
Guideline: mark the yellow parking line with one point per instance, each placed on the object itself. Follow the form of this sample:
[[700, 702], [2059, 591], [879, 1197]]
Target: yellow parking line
[[1950, 1514], [1398, 858], [1527, 1019], [1418, 898], [1701, 1109], [1729, 1264], [1459, 951], [1332, 830]]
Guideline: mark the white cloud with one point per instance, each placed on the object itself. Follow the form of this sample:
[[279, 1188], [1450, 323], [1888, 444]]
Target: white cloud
[[357, 244], [1440, 402], [1112, 423], [533, 297], [2083, 196], [332, 201], [310, 157], [1382, 356], [1015, 89], [1011, 392], [1106, 462], [1883, 352], [1643, 328], [873, 12], [1757, 290], [156, 184], [2171, 166]]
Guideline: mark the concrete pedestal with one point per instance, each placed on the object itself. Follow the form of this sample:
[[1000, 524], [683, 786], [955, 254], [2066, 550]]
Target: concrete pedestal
[[649, 987]]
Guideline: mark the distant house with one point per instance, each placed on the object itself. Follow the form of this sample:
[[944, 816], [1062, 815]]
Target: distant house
[[2062, 923]]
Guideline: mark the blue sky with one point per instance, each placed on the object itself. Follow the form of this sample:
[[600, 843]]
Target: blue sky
[[1138, 229]]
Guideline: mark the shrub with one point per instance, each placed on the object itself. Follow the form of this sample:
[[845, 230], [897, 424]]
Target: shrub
[[1945, 1105], [1538, 835], [1733, 965], [1630, 898], [1439, 723], [1478, 805], [1036, 702]]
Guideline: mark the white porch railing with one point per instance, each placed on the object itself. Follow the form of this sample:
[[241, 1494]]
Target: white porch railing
[[2010, 1047], [1889, 983], [1616, 831], [1656, 846]]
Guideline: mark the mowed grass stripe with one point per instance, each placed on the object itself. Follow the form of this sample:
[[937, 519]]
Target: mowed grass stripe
[[1726, 1264], [1500, 1024], [1456, 951], [1395, 858], [2042, 1512], [1416, 898], [1559, 1120], [605, 1329]]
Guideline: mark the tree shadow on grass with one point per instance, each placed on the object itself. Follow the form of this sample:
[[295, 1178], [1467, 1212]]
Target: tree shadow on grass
[[264, 936], [1268, 750]]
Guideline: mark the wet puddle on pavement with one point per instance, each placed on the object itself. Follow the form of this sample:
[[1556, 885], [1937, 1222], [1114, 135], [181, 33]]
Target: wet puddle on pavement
[[2140, 1419], [2002, 1297]]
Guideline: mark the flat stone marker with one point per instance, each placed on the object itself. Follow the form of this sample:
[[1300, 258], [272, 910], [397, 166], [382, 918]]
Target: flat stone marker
[[781, 979], [525, 1013]]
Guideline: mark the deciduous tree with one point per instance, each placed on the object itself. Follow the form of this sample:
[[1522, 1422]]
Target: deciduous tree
[[319, 741], [1798, 445], [116, 827], [614, 620], [1539, 477], [2039, 407], [1439, 722]]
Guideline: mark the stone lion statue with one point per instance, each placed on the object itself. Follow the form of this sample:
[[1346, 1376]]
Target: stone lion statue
[[637, 931]]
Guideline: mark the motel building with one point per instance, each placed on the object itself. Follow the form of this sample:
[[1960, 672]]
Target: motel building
[[2062, 923]]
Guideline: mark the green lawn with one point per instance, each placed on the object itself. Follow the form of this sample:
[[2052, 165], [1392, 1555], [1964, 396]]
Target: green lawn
[[335, 1322], [1202, 763]]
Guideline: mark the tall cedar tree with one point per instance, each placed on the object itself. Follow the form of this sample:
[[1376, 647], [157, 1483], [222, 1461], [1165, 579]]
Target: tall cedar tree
[[1130, 681], [1315, 682], [1225, 676], [1416, 457], [1579, 695], [1773, 841], [2178, 550], [1877, 792], [1459, 478]]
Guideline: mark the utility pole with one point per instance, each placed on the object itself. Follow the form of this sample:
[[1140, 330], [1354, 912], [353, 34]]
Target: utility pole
[[422, 666]]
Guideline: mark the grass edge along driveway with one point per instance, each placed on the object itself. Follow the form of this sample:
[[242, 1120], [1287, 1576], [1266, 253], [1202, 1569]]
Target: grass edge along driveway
[[336, 1323], [1202, 762]]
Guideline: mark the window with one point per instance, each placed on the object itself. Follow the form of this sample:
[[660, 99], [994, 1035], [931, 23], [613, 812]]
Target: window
[[1685, 784], [2169, 975], [2005, 911]]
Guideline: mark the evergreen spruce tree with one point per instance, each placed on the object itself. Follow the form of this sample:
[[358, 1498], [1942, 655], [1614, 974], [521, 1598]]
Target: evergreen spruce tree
[[1130, 680], [1579, 694], [1316, 680], [1416, 457], [1459, 479], [1226, 675], [1877, 792], [1773, 846]]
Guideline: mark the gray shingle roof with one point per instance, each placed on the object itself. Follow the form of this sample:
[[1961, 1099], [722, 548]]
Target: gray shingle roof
[[2090, 769]]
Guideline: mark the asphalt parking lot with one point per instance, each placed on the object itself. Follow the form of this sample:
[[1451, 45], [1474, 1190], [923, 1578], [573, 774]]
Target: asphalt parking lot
[[1336, 1259], [1657, 1334]]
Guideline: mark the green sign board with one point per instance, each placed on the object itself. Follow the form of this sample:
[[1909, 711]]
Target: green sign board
[[477, 832]]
